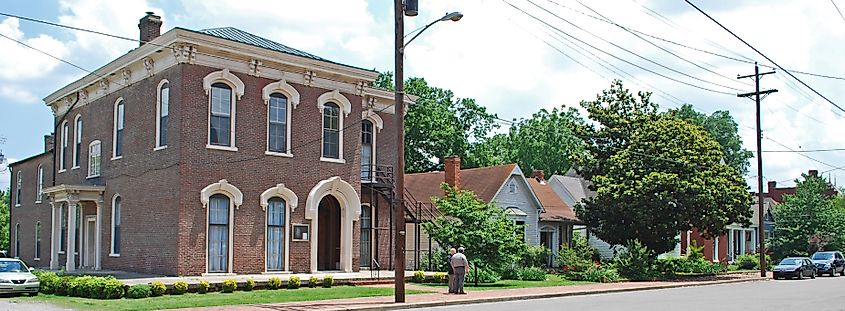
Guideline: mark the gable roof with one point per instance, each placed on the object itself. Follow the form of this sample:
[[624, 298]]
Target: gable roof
[[485, 182], [237, 35], [555, 208]]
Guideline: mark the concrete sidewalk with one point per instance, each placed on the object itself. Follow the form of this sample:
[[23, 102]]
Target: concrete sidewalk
[[442, 299]]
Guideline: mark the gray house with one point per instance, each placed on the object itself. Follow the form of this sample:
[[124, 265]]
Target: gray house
[[573, 188]]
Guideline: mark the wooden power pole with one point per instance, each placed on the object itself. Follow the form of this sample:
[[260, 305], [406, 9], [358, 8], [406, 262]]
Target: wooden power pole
[[760, 227]]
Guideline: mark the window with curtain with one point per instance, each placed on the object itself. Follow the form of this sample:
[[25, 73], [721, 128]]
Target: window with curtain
[[221, 115], [77, 141], [367, 150], [63, 149], [118, 129], [331, 131], [163, 113], [18, 190], [277, 123], [366, 235], [218, 233], [115, 227], [276, 234], [40, 184], [94, 152]]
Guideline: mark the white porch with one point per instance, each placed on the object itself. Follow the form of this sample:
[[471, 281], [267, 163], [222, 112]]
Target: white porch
[[69, 220]]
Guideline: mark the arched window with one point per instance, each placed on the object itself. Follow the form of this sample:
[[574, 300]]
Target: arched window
[[37, 241], [163, 112], [94, 159], [116, 214], [276, 228], [18, 189], [277, 128], [221, 131], [18, 240], [63, 148], [366, 235], [218, 233], [331, 131], [77, 140], [367, 150], [117, 150], [40, 184]]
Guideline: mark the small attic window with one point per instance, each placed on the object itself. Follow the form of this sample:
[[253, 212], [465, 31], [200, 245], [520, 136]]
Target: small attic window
[[512, 187]]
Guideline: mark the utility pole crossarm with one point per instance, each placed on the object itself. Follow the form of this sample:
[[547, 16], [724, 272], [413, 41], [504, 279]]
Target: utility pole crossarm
[[766, 92]]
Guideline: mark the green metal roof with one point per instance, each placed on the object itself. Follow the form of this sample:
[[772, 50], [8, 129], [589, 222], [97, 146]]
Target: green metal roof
[[237, 35]]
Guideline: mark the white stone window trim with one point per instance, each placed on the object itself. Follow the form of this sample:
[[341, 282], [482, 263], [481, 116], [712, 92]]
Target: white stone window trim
[[77, 140], [39, 184], [293, 97], [226, 77], [158, 145], [378, 124], [236, 199], [90, 160], [291, 201], [345, 107], [113, 200], [62, 147], [114, 129], [307, 229]]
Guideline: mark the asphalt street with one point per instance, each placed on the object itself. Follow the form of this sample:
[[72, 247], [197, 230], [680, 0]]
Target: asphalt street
[[821, 294]]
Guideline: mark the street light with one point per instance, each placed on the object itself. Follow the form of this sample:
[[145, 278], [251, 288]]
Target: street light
[[410, 9]]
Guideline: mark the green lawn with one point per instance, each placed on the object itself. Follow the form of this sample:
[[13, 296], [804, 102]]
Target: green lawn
[[551, 280], [214, 299]]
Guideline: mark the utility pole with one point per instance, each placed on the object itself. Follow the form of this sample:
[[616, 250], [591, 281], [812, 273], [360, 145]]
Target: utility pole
[[399, 190], [760, 228]]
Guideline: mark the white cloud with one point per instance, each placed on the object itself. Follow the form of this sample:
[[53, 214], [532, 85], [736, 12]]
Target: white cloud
[[112, 17], [22, 63], [18, 94]]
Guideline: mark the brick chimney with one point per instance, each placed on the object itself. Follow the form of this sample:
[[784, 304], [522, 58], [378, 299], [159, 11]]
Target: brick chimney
[[539, 175], [772, 185], [814, 173], [48, 142], [452, 167], [150, 27]]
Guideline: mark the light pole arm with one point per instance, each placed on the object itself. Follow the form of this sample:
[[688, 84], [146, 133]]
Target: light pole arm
[[419, 33]]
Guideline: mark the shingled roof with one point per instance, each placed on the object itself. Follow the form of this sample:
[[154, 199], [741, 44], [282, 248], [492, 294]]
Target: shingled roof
[[485, 182], [556, 209]]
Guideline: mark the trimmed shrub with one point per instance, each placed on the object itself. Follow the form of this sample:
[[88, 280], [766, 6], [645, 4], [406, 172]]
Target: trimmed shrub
[[328, 281], [158, 288], [62, 286], [440, 277], [250, 284], [274, 283], [637, 262], [229, 285], [48, 280], [531, 274], [179, 288], [112, 288], [138, 291], [313, 281], [484, 276], [418, 277], [203, 287], [535, 256], [294, 282], [600, 275]]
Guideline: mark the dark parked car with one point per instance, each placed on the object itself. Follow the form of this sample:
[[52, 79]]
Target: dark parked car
[[829, 263], [795, 267]]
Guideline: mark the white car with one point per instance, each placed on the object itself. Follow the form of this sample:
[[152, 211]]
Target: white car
[[17, 278]]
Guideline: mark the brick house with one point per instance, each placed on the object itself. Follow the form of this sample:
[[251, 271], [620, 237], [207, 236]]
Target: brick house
[[210, 152]]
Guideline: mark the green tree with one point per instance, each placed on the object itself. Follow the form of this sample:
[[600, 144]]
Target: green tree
[[547, 141], [482, 228], [4, 219], [655, 175], [808, 221], [440, 125], [723, 128]]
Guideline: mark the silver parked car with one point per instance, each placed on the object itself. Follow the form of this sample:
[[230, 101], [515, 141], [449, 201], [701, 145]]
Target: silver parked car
[[17, 278]]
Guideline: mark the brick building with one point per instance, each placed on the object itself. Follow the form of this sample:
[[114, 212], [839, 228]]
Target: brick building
[[210, 151]]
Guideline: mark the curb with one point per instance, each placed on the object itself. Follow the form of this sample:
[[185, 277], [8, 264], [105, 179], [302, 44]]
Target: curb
[[442, 303]]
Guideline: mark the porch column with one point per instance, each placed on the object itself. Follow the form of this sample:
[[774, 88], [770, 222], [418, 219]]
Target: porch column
[[70, 265], [98, 235], [55, 235]]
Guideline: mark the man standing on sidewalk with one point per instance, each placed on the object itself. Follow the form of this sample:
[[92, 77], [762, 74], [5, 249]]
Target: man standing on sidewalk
[[460, 263], [451, 270]]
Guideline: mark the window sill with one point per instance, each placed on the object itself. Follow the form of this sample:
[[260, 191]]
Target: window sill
[[38, 202], [92, 176], [17, 205], [271, 272], [367, 181], [224, 148], [218, 274], [332, 160], [278, 154], [114, 255], [75, 168], [116, 158], [36, 259], [298, 240], [61, 252], [160, 148], [62, 171]]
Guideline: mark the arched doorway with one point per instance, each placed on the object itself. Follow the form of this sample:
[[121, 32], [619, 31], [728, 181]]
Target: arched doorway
[[328, 241]]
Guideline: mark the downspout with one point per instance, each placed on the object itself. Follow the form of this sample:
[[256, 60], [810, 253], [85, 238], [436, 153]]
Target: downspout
[[56, 135]]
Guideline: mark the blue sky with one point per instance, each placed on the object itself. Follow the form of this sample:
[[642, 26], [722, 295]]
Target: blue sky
[[495, 54]]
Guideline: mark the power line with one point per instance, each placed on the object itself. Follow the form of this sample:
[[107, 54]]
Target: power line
[[805, 150], [764, 56], [837, 10]]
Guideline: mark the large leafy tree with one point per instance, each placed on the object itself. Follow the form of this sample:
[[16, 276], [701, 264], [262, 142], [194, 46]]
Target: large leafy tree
[[724, 129], [655, 175], [482, 228], [808, 221], [440, 125], [547, 141], [4, 219]]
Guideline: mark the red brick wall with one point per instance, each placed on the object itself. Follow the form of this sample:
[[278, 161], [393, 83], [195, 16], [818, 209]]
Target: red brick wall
[[29, 213], [707, 243]]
